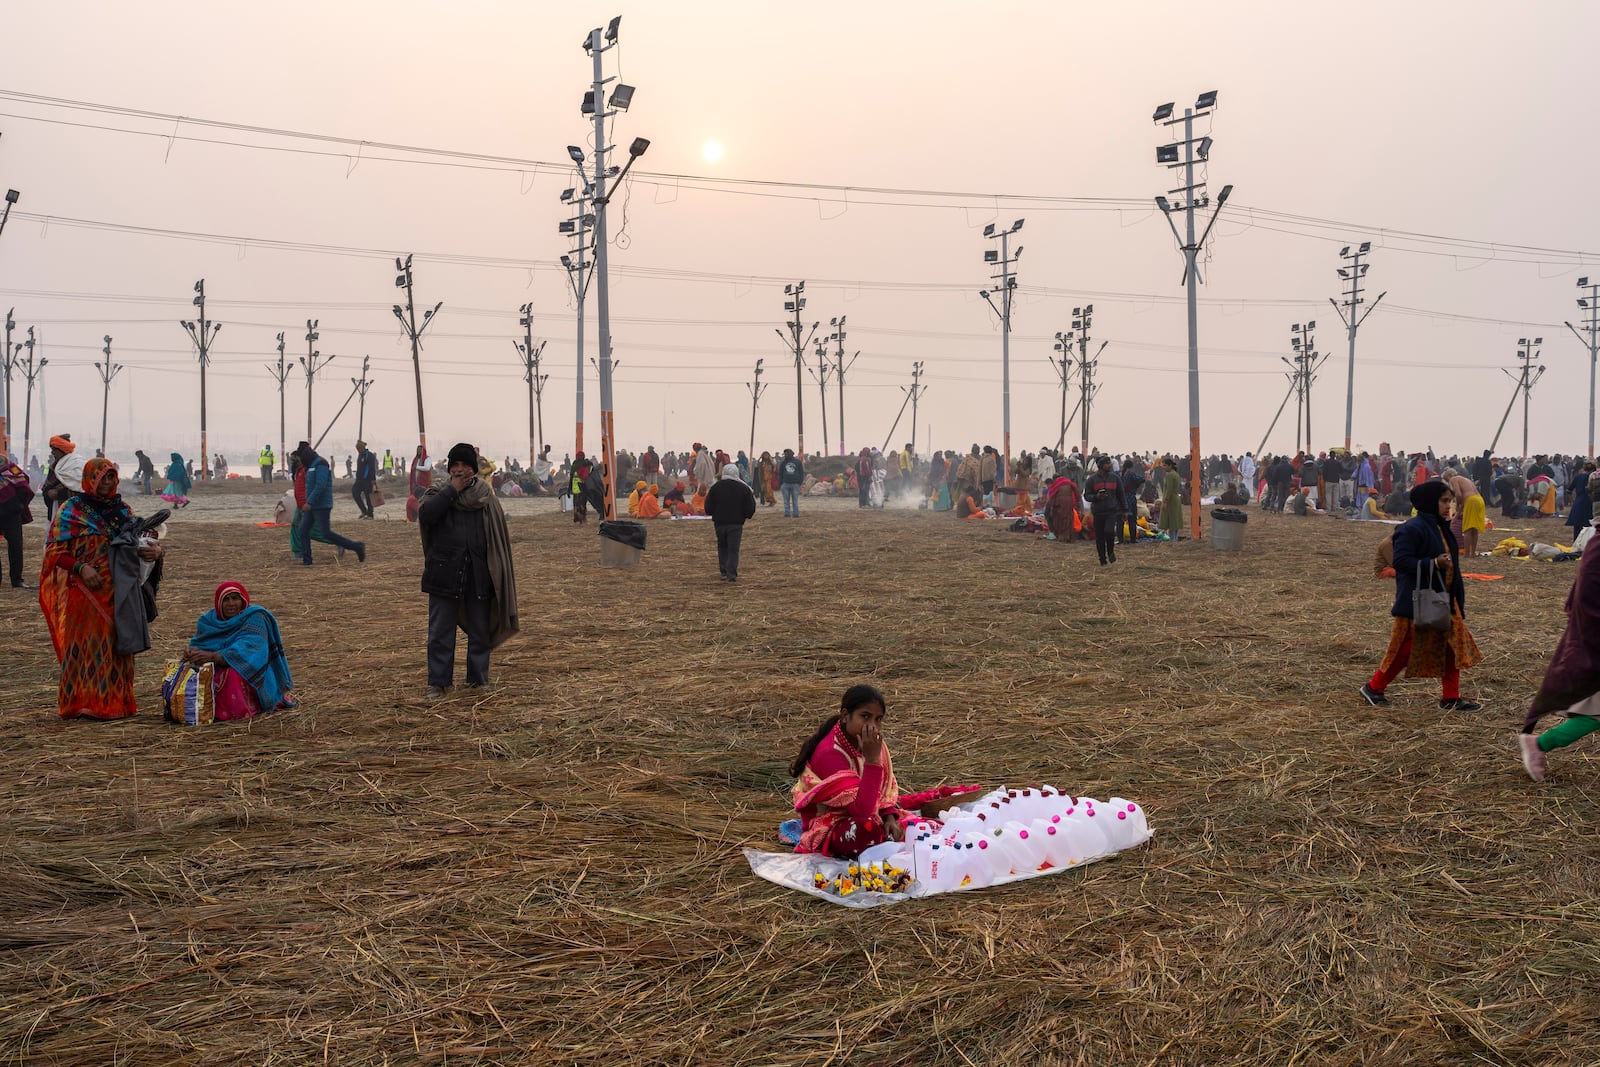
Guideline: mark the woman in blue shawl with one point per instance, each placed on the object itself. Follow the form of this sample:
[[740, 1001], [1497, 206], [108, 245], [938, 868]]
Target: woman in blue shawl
[[178, 483], [241, 641]]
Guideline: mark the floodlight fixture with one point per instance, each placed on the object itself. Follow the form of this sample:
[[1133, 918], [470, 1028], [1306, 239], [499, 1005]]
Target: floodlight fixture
[[1163, 112], [1522, 342], [1222, 197], [991, 256], [1203, 149], [984, 293], [1538, 340], [1312, 325], [588, 103], [1582, 282], [1583, 301], [1167, 153], [568, 226], [588, 220], [1295, 328], [577, 156], [1015, 226], [1294, 342], [638, 148], [1018, 253], [566, 261], [788, 288], [566, 194], [988, 231], [1366, 246], [788, 305], [1163, 204], [1089, 310], [1206, 99], [611, 29], [1344, 272], [12, 196], [1345, 251], [622, 96]]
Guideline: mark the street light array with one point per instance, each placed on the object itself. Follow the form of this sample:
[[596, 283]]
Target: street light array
[[202, 332], [1350, 312], [1004, 259]]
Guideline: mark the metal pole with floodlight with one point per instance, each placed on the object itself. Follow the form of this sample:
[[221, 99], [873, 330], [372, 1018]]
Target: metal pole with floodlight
[[280, 374], [311, 363], [107, 371], [756, 389], [1185, 154], [529, 354], [1082, 320], [597, 44], [202, 332], [1590, 308], [917, 389], [31, 372], [1352, 315], [1527, 352], [839, 369], [580, 270], [408, 323], [795, 304], [1004, 258], [1302, 339]]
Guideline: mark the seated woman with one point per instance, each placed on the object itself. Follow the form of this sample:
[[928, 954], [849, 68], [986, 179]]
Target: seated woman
[[1231, 496], [241, 640], [650, 506], [969, 506], [1370, 509], [844, 787], [1024, 506]]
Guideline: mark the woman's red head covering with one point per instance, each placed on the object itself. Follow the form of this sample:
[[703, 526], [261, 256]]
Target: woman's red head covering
[[229, 587], [94, 470]]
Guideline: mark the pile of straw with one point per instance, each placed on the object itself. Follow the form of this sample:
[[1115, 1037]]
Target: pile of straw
[[549, 871]]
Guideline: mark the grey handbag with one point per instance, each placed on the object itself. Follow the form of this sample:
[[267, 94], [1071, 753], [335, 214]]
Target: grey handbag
[[1430, 607]]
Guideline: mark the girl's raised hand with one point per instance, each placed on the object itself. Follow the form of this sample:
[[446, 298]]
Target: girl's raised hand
[[872, 742]]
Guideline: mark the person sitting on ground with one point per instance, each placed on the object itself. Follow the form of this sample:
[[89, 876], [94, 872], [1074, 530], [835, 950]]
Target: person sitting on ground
[[1024, 507], [675, 503], [969, 506], [845, 791], [1370, 509], [1231, 497], [697, 503], [1300, 501], [250, 672], [650, 505], [635, 497], [1396, 505]]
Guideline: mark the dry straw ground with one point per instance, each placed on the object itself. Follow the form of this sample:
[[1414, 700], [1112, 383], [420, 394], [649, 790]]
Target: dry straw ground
[[549, 871]]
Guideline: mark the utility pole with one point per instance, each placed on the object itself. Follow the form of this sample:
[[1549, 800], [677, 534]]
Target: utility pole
[[824, 368], [1082, 321], [31, 372], [913, 393], [1185, 154], [1350, 311], [621, 99], [1588, 307], [202, 332], [107, 371], [1004, 258], [840, 366], [362, 384], [579, 271], [756, 389], [796, 344], [529, 354], [1064, 367], [408, 323], [1307, 361], [312, 362], [280, 374], [8, 363], [1527, 352]]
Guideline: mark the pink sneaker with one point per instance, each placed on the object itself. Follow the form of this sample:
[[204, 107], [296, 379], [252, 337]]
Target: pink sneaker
[[1532, 756]]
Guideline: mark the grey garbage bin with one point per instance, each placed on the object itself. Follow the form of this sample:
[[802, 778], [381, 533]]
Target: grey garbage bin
[[1227, 529], [621, 543]]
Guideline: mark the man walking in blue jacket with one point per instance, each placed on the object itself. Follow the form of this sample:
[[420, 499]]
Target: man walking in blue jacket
[[319, 506]]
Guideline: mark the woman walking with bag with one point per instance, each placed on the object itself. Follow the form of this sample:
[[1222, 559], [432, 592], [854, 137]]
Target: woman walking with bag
[[1434, 643]]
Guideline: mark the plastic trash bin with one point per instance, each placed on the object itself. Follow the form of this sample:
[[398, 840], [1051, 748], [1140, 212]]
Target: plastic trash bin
[[1227, 529], [621, 544]]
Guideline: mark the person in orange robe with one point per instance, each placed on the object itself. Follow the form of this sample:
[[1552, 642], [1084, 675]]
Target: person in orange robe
[[1024, 506], [75, 594], [650, 505], [697, 503]]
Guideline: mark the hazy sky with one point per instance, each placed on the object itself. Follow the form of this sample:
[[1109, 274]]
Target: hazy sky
[[1464, 121]]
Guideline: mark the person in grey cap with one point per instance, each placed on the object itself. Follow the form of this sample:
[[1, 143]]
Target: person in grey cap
[[729, 504], [466, 572]]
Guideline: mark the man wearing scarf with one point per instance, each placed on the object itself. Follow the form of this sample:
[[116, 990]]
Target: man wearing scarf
[[466, 572], [57, 481]]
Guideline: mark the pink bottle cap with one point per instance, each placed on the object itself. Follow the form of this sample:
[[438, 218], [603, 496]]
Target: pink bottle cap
[[983, 844], [1133, 807], [1122, 815], [1050, 829], [1091, 813], [1022, 834], [1055, 818]]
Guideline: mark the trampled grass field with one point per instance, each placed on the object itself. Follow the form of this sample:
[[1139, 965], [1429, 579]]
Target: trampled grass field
[[549, 871]]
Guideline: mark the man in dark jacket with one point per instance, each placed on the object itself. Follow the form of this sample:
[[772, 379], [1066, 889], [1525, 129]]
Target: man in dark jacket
[[729, 503], [791, 476], [366, 479], [15, 494], [319, 506], [1104, 493], [466, 572]]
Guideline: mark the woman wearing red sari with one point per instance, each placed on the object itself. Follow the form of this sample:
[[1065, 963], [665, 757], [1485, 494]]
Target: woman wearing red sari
[[75, 592], [845, 789]]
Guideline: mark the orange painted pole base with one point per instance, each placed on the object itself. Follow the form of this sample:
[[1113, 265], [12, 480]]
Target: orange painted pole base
[[1196, 486]]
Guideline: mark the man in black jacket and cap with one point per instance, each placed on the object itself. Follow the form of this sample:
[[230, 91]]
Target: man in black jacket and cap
[[729, 504], [466, 572]]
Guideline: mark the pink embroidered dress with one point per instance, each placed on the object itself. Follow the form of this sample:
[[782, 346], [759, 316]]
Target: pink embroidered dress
[[842, 799]]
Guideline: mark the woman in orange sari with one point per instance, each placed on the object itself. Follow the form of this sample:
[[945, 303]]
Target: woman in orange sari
[[75, 592], [845, 790]]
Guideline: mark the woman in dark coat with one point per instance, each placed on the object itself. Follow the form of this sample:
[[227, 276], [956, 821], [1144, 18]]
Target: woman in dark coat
[[1426, 543], [1572, 681], [1580, 506]]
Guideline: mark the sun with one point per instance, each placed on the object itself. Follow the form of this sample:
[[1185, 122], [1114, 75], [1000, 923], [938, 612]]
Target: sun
[[711, 151]]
